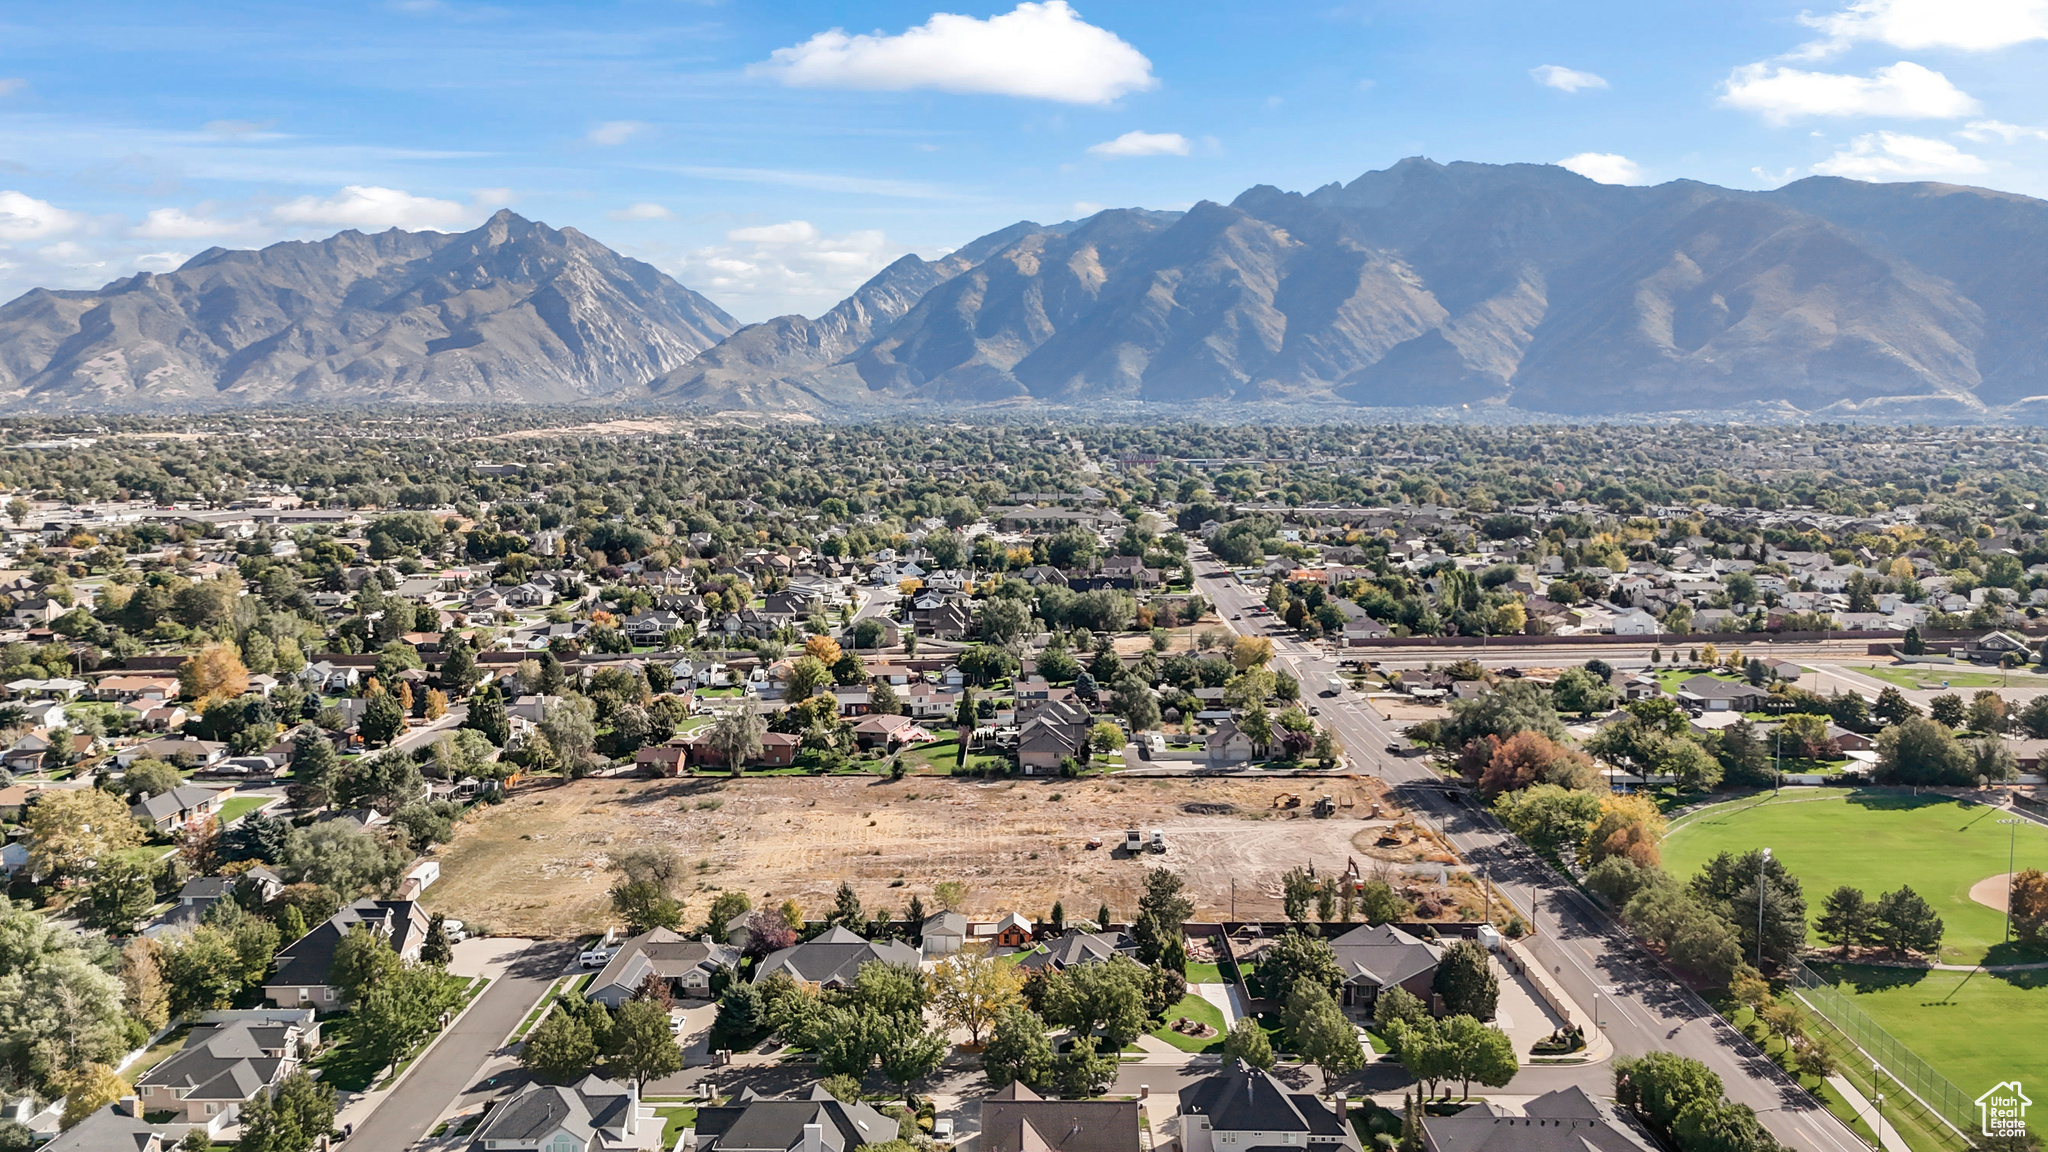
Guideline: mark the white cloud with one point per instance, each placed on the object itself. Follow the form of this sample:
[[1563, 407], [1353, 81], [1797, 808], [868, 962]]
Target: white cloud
[[23, 217], [1604, 167], [1142, 144], [1087, 207], [1565, 79], [615, 132], [1985, 131], [1970, 25], [241, 129], [178, 224], [1894, 156], [160, 261], [368, 206], [787, 265], [641, 211], [1040, 50], [1904, 89], [9, 85]]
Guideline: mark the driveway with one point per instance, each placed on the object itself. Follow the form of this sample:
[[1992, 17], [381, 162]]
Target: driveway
[[444, 1073]]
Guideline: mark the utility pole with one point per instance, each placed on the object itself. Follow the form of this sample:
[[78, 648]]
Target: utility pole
[[1760, 881], [2011, 842]]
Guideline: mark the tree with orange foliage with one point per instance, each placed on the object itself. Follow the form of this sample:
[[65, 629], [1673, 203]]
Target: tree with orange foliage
[[215, 673], [1629, 826], [824, 648], [1528, 758]]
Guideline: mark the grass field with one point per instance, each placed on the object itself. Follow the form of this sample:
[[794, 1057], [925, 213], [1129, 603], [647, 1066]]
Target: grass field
[[240, 806], [1935, 675], [1876, 840], [1975, 1029]]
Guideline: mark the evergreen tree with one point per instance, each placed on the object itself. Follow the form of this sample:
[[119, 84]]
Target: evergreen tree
[[487, 715], [1847, 918]]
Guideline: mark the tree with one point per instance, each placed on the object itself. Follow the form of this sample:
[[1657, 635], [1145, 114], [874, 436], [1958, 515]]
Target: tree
[[1580, 691], [403, 1009], [736, 735], [973, 990], [1529, 758], [1251, 652], [487, 716], [1162, 911], [1727, 884], [1948, 710], [910, 1051], [383, 719], [336, 854], [1465, 980], [1659, 1086], [1107, 997], [726, 907], [742, 1016], [1297, 890], [1847, 919], [1628, 826], [1478, 1052], [645, 905], [1247, 1041], [436, 950], [362, 960], [807, 675], [1085, 1069], [1721, 1126], [88, 1089], [1892, 707], [214, 673], [1321, 1033], [2029, 904], [1297, 959], [641, 1044], [1907, 923], [1546, 816], [1003, 620], [71, 831], [1922, 751], [1018, 1051], [120, 895], [294, 1121], [1058, 665], [142, 984], [1690, 766], [149, 777]]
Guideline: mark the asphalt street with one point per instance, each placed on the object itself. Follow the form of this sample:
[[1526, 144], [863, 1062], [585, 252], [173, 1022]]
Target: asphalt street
[[1641, 1007], [446, 1071]]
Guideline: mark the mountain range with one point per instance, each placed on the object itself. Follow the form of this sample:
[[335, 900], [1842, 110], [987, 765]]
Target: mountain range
[[1519, 287]]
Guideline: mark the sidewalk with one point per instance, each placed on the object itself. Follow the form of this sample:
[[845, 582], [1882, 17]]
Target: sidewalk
[[1886, 1134], [1598, 1046]]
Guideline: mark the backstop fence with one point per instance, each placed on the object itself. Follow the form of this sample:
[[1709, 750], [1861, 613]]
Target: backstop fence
[[1899, 1062]]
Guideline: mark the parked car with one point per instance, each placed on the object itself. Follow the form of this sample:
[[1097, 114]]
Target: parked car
[[596, 957], [455, 931]]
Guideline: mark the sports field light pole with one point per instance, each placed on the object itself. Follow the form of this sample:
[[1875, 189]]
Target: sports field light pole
[[1760, 907], [2011, 839]]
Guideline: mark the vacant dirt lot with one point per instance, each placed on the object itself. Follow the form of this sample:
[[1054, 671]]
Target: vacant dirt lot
[[539, 864]]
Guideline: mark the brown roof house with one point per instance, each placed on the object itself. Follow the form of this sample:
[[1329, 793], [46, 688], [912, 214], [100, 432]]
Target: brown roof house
[[1016, 1119]]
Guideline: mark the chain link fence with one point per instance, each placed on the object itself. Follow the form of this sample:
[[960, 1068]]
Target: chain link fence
[[1899, 1062]]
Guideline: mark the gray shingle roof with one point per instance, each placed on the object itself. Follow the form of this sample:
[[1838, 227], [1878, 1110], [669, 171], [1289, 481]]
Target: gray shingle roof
[[1383, 955], [833, 958], [760, 1125], [1567, 1120], [582, 1109]]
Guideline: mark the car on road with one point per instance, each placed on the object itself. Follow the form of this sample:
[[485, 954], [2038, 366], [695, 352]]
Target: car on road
[[1314, 711], [1396, 749]]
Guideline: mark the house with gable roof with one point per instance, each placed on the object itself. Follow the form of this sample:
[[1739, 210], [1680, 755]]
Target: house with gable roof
[[1242, 1109], [831, 960], [592, 1115], [817, 1123]]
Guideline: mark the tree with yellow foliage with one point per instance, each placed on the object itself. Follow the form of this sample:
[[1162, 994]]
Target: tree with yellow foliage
[[71, 830], [215, 673], [972, 989], [1251, 652], [824, 648], [437, 703], [1629, 826], [90, 1089]]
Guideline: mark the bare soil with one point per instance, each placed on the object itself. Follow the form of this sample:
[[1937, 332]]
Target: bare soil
[[539, 864]]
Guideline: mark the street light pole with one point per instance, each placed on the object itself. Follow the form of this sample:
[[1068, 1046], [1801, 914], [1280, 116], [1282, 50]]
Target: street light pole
[[2011, 840], [1760, 907]]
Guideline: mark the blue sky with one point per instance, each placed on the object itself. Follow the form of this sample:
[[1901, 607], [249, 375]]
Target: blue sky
[[774, 155]]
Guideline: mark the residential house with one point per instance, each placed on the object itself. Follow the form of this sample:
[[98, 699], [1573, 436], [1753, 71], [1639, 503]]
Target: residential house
[[830, 961], [819, 1123], [114, 1128], [881, 731], [1012, 931], [1016, 1119], [943, 933], [1228, 744], [1078, 948], [302, 966], [227, 1059], [1242, 1109], [684, 965], [1706, 694], [1375, 958], [1050, 731], [323, 676], [778, 750], [167, 811], [1565, 1120], [591, 1115]]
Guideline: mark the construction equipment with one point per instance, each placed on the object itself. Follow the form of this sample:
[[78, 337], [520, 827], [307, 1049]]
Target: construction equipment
[[1158, 843], [1134, 841], [1286, 800], [1325, 808]]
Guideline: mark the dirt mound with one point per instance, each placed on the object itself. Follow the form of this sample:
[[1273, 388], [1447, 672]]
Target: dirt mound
[[1206, 809], [1991, 891]]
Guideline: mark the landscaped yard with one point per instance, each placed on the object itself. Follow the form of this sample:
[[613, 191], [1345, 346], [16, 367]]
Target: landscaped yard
[[1876, 840], [939, 756], [1670, 678], [237, 807], [344, 1065], [1194, 1008], [674, 1118], [1204, 974]]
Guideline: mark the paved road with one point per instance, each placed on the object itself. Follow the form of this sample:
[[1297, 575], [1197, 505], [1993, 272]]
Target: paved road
[[446, 1072], [1642, 1008], [425, 734]]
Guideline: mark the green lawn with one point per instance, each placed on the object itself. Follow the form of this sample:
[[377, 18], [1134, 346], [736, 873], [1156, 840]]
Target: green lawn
[[1934, 675], [1976, 1030], [343, 1064], [1876, 840], [939, 756], [1194, 1008], [237, 807], [1670, 678], [674, 1118], [1204, 974]]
